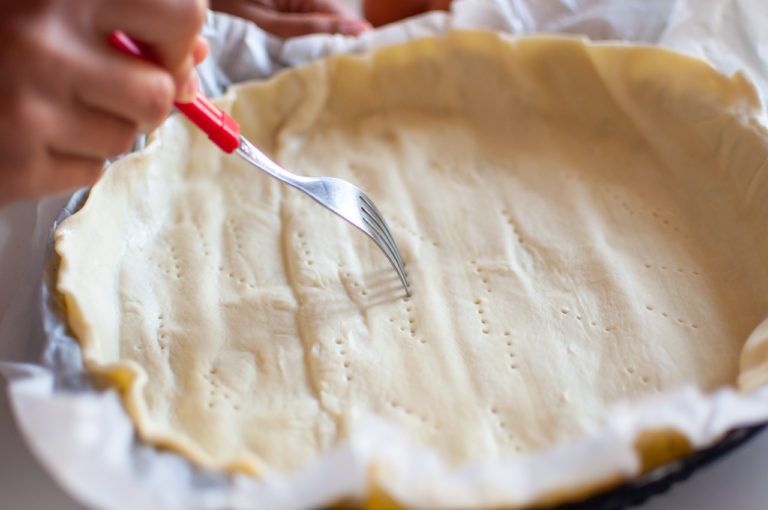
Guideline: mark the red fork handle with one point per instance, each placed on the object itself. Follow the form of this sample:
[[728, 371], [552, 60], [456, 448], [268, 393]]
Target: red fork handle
[[222, 129]]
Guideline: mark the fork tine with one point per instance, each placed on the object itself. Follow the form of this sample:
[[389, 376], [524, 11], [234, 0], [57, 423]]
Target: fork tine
[[385, 248], [380, 239], [381, 227], [373, 211], [375, 229]]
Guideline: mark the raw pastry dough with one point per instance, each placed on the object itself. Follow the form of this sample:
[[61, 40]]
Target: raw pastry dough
[[582, 224]]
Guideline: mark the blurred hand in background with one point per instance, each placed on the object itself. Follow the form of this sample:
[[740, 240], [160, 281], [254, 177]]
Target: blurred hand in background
[[290, 18], [381, 12]]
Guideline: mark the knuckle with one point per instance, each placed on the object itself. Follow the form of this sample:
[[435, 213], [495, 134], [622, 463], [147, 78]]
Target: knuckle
[[55, 49], [189, 14], [159, 98]]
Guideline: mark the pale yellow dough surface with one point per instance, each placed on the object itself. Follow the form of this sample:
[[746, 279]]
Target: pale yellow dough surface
[[581, 225]]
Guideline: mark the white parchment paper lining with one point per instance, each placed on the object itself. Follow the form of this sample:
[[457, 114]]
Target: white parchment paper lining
[[87, 442]]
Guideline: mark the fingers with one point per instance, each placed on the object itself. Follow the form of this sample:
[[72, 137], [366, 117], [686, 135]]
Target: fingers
[[137, 91], [52, 173], [168, 27], [67, 172], [84, 132], [292, 24], [68, 101], [29, 168], [46, 147]]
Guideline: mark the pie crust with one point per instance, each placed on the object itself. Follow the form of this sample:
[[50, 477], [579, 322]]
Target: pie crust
[[582, 225]]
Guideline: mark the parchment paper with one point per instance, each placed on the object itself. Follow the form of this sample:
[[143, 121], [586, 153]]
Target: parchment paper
[[83, 436]]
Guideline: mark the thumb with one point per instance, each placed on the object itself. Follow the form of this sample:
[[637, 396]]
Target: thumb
[[200, 50]]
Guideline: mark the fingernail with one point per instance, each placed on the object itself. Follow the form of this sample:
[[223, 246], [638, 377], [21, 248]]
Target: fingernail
[[191, 88]]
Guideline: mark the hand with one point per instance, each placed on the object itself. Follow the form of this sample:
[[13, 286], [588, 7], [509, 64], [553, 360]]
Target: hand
[[68, 101], [290, 18], [381, 12]]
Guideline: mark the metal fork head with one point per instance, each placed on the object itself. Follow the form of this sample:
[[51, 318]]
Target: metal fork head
[[339, 196], [350, 203]]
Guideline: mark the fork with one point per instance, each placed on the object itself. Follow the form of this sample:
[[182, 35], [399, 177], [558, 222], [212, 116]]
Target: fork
[[337, 195]]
